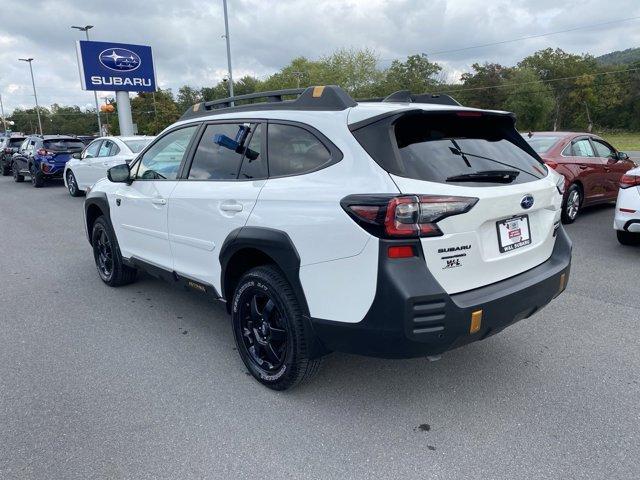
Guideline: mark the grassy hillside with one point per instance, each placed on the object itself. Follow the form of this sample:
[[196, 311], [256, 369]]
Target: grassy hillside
[[626, 142], [621, 57]]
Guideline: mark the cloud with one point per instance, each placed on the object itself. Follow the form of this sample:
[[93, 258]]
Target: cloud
[[189, 48]]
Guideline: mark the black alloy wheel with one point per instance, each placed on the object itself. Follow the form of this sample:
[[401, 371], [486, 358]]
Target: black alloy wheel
[[272, 336], [103, 253], [264, 332]]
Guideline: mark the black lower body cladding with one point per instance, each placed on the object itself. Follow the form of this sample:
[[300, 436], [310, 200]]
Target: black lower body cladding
[[412, 316]]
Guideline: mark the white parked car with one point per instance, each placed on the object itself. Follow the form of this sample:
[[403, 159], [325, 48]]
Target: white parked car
[[399, 228], [627, 219], [86, 168]]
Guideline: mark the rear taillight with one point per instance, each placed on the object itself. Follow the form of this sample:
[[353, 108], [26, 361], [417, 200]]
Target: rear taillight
[[7, 150], [629, 181], [405, 216], [44, 152], [551, 164]]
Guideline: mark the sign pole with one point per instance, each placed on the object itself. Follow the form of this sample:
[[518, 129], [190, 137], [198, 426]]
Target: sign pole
[[4, 122], [124, 113]]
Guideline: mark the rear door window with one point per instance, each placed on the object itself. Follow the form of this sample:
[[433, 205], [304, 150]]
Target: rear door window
[[452, 147], [582, 148], [105, 149], [92, 149]]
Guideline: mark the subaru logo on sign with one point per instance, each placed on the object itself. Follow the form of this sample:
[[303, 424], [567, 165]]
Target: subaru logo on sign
[[527, 202], [119, 59]]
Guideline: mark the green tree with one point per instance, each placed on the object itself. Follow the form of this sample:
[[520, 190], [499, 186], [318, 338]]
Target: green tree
[[416, 74], [530, 99], [484, 87]]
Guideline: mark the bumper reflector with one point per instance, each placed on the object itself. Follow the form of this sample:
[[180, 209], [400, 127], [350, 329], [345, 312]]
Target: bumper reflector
[[476, 321], [563, 282]]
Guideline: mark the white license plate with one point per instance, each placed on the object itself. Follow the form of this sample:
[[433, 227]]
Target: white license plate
[[513, 233]]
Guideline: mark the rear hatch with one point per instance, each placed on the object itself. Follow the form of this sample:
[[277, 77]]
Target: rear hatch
[[60, 150], [475, 155], [13, 144]]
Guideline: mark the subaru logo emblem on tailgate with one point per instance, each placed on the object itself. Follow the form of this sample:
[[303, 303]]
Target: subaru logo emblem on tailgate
[[527, 202], [119, 59]]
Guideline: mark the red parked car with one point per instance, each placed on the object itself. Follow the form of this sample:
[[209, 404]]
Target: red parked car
[[591, 167]]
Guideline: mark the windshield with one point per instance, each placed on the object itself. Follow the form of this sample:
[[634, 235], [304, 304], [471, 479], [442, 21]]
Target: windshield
[[136, 146], [63, 145], [447, 147], [542, 144]]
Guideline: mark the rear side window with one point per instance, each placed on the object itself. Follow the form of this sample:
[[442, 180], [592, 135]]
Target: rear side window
[[294, 150], [451, 148], [220, 152]]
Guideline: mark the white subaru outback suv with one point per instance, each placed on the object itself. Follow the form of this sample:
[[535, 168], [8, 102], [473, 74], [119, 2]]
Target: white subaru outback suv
[[396, 228]]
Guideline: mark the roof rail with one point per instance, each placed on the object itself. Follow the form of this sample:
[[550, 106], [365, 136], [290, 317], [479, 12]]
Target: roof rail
[[330, 97], [405, 96]]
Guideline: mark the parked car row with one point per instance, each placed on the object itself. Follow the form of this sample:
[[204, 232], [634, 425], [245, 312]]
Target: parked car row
[[46, 157]]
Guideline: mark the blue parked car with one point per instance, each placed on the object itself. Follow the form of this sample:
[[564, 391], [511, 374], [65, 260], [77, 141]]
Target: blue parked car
[[44, 157]]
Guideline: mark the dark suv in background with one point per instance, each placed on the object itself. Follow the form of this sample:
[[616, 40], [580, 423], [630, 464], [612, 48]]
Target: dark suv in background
[[44, 157], [8, 146]]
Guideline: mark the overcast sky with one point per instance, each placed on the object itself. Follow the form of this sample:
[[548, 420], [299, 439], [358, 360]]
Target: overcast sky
[[186, 35]]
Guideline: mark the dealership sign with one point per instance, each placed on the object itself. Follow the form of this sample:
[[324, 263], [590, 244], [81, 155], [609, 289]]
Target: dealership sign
[[116, 66]]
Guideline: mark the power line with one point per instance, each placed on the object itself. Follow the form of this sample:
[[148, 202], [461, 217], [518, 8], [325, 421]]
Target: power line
[[551, 80], [502, 42]]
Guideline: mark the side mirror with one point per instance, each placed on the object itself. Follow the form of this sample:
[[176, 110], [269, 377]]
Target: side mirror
[[77, 156], [119, 174], [623, 156]]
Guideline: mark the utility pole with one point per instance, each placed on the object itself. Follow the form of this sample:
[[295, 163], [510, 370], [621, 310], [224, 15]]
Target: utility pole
[[4, 122], [226, 35], [33, 83], [298, 76], [86, 29]]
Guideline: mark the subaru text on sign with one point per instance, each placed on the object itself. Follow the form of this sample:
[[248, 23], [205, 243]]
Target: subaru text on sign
[[116, 66]]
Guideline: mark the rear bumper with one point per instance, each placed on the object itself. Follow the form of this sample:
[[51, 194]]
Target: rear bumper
[[413, 316]]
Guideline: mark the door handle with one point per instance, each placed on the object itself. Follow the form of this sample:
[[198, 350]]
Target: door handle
[[231, 207], [607, 169], [583, 167], [159, 201]]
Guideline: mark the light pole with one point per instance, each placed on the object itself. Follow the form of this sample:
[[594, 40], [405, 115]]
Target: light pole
[[4, 122], [86, 29], [226, 31], [29, 60]]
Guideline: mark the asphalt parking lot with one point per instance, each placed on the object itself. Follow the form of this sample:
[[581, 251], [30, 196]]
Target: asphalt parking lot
[[144, 381]]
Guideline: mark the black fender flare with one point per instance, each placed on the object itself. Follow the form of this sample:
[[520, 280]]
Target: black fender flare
[[272, 242], [277, 245], [92, 200]]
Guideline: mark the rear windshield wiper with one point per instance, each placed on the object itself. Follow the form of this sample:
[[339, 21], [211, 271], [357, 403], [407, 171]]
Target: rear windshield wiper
[[458, 151], [492, 176]]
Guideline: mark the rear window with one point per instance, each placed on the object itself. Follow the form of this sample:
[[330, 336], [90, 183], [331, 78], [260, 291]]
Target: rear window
[[136, 146], [62, 145], [543, 144], [15, 142], [446, 147]]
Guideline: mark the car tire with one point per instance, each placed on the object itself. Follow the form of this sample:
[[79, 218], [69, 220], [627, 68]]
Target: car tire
[[572, 204], [264, 303], [15, 170], [107, 256], [37, 179], [628, 238], [72, 185]]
